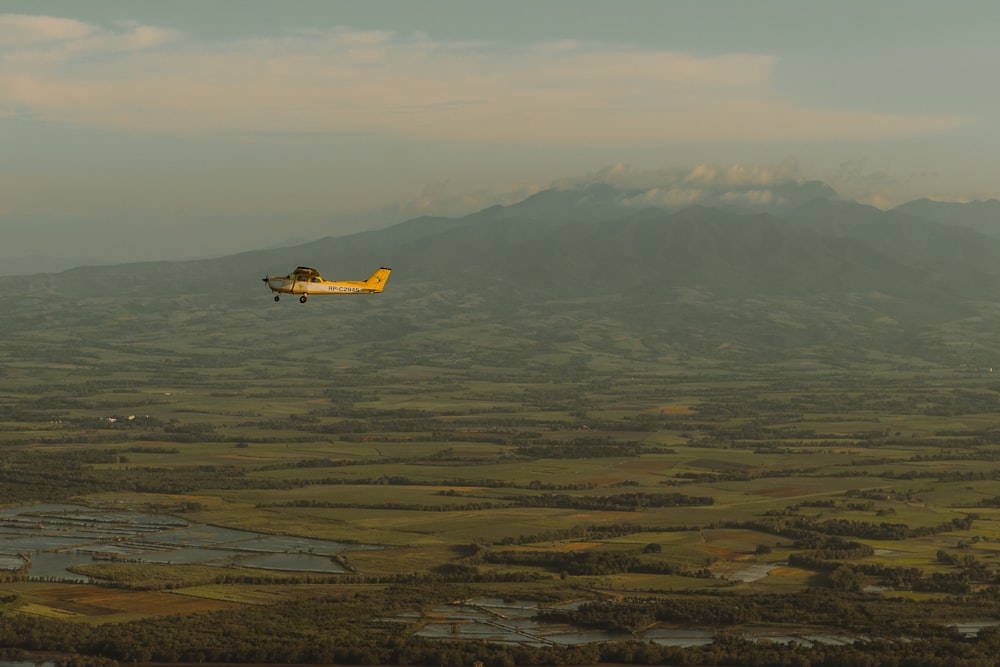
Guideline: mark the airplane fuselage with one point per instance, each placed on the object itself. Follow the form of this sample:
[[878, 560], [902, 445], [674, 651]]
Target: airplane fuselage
[[292, 286], [305, 281]]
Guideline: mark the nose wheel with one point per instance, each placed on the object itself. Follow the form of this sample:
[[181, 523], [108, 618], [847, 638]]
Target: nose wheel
[[277, 298]]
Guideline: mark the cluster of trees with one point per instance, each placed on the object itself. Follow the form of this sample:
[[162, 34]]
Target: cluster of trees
[[578, 532], [790, 524], [852, 576], [946, 475], [355, 630], [579, 563], [576, 450], [630, 502], [834, 610], [29, 475], [464, 507]]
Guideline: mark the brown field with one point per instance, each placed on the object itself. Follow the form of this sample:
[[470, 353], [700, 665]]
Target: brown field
[[723, 553], [258, 594], [785, 571], [108, 604], [731, 545]]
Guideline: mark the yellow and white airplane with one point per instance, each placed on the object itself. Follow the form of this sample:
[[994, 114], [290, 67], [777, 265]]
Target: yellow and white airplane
[[305, 281]]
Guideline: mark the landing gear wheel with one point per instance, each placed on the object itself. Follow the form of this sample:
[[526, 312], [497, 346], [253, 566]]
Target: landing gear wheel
[[277, 298], [302, 299]]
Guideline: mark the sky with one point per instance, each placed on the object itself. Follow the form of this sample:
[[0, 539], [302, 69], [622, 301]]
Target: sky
[[135, 130]]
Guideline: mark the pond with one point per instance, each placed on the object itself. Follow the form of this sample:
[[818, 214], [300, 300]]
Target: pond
[[11, 563], [518, 622], [751, 572], [54, 538], [515, 622]]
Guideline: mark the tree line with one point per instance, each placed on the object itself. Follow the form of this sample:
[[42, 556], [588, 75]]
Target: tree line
[[356, 630]]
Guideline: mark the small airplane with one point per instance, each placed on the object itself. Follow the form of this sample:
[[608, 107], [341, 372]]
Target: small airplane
[[305, 281]]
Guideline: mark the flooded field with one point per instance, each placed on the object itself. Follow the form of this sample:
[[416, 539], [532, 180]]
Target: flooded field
[[47, 540], [750, 572], [516, 622]]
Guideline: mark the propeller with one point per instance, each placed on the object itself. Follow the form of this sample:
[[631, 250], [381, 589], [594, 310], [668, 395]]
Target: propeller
[[266, 280]]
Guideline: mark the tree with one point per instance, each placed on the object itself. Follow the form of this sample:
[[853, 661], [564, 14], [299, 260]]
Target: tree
[[846, 579]]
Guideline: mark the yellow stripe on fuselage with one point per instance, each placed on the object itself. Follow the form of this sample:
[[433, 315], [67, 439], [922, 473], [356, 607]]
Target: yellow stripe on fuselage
[[289, 286]]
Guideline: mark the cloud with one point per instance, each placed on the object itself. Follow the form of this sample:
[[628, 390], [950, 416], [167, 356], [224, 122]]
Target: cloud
[[153, 80], [745, 186], [19, 30], [706, 174], [750, 197], [740, 174], [28, 39], [885, 188]]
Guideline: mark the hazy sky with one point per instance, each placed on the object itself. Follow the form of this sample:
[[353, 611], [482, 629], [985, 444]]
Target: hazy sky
[[135, 129]]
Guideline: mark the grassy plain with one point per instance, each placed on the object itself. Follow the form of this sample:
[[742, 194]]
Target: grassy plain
[[686, 467]]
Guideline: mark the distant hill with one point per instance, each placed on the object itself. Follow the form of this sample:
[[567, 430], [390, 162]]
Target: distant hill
[[14, 266], [956, 258], [588, 267], [982, 216]]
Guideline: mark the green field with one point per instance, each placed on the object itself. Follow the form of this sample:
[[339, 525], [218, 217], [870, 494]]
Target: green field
[[631, 478]]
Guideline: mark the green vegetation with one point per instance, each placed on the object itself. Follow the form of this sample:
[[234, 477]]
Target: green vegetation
[[759, 446], [646, 490]]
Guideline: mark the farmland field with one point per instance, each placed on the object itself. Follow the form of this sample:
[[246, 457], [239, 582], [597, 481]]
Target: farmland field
[[579, 485]]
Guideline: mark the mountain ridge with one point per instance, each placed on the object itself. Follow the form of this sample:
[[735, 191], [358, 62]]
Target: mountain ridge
[[763, 279]]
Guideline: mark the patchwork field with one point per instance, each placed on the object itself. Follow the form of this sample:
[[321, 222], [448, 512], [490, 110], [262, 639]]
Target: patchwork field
[[105, 605], [646, 484]]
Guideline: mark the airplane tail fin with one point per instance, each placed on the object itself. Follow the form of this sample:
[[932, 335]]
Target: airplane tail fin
[[376, 281]]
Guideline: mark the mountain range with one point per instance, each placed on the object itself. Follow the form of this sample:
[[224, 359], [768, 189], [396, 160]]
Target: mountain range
[[802, 274]]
